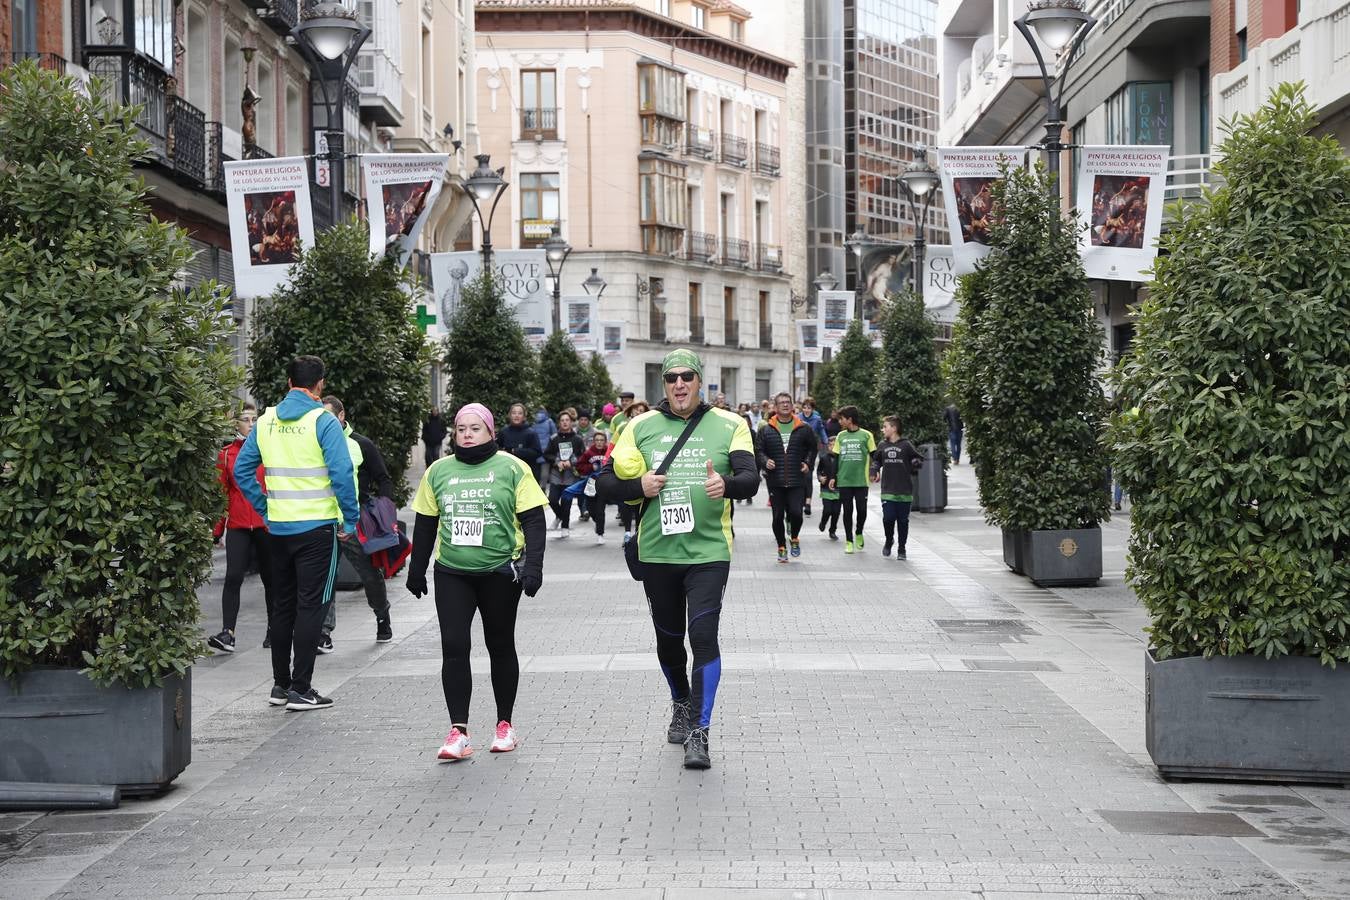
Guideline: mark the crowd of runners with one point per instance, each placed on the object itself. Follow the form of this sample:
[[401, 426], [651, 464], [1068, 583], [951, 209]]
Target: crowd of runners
[[307, 490]]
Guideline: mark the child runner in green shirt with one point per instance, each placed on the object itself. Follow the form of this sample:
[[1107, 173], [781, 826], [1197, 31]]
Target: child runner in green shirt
[[852, 448]]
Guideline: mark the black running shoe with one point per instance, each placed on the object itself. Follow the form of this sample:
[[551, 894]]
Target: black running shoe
[[267, 641], [679, 722], [900, 554], [279, 695], [384, 633], [833, 536], [696, 750], [326, 644], [886, 549], [806, 510], [821, 526], [223, 642], [310, 699]]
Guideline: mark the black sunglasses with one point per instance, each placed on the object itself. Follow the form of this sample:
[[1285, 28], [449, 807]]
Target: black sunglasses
[[686, 377]]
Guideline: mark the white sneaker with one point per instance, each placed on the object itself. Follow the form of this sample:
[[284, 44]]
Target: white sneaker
[[456, 746], [599, 538], [505, 741], [564, 533], [627, 536], [557, 523]]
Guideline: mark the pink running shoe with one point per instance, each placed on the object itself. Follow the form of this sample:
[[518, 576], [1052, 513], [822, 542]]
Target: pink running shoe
[[456, 746], [505, 741]]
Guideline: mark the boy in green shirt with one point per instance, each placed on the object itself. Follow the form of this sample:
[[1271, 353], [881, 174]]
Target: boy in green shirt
[[852, 448]]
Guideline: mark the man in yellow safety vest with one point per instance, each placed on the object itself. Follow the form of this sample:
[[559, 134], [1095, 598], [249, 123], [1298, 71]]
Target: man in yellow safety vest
[[309, 506]]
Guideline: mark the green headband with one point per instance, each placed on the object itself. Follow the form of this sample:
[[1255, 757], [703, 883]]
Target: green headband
[[682, 357]]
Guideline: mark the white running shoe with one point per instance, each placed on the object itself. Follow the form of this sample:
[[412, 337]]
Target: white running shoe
[[505, 741], [599, 539], [627, 536], [564, 533], [456, 746]]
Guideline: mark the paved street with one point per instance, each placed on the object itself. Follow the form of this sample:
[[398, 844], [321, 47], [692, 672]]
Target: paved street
[[935, 728]]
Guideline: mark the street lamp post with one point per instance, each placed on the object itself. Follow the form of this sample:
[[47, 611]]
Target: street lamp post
[[330, 37], [594, 284], [921, 181], [857, 242], [1058, 24], [484, 185], [556, 251]]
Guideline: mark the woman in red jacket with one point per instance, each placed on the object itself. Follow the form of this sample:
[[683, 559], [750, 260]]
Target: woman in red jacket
[[244, 530]]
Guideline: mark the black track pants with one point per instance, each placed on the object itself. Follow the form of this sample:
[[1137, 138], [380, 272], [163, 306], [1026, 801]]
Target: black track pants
[[239, 544], [787, 503], [304, 567], [496, 597], [688, 599], [854, 502]]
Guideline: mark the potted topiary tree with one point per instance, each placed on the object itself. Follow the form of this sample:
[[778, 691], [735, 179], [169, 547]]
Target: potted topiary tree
[[1040, 349], [855, 375], [569, 379], [117, 390], [486, 357], [1233, 445], [909, 384]]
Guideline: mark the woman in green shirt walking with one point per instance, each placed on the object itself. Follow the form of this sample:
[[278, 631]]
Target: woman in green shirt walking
[[852, 448]]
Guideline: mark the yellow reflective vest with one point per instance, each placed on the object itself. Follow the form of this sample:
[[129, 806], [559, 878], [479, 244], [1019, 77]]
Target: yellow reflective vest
[[298, 486]]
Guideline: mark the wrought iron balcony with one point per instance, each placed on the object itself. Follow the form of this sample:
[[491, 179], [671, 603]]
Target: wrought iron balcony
[[539, 123], [768, 258], [735, 252], [700, 246], [697, 334], [731, 332], [131, 80], [766, 159], [765, 336], [253, 151], [282, 15], [734, 150], [187, 141], [699, 142], [49, 61]]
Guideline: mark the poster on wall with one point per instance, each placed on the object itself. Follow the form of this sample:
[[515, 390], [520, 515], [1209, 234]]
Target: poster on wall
[[968, 178], [939, 284], [1120, 192], [401, 189], [521, 274], [579, 318], [808, 341], [886, 271], [836, 309], [612, 337], [270, 219]]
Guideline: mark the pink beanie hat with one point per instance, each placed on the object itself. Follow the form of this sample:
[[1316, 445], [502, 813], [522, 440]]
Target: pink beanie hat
[[479, 410], [609, 409]]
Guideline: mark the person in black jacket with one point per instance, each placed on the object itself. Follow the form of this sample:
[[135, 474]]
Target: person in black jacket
[[518, 438], [433, 435], [372, 479], [786, 454], [562, 454], [894, 463]]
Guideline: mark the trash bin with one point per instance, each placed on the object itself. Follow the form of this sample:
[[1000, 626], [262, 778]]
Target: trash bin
[[930, 495]]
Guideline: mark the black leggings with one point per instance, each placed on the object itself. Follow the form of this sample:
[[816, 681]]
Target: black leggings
[[688, 598], [854, 502], [829, 515], [895, 517], [787, 501], [239, 543], [561, 504], [597, 513], [496, 596], [628, 516]]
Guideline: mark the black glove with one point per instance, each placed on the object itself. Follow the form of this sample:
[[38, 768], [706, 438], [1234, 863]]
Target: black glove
[[417, 584], [531, 582]]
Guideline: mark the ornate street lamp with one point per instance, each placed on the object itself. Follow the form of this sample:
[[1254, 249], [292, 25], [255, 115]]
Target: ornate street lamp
[[1059, 24], [922, 182], [594, 284], [826, 281], [858, 241], [556, 251], [330, 37], [483, 185]]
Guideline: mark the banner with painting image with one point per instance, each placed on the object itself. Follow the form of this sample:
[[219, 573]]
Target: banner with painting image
[[270, 220], [1120, 193], [521, 274], [808, 341], [612, 339], [401, 189], [968, 178], [579, 319], [835, 310]]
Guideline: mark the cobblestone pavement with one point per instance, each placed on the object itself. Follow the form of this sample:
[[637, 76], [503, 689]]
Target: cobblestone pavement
[[936, 728]]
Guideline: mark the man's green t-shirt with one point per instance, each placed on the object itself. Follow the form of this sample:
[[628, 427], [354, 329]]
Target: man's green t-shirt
[[683, 526], [477, 506], [785, 429], [854, 449]]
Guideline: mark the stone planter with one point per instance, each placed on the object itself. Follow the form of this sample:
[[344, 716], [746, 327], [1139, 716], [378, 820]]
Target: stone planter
[[1248, 718], [1013, 549], [1067, 558], [930, 493], [56, 726]]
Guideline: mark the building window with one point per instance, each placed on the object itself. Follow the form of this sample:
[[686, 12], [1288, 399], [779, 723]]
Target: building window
[[737, 30], [295, 122], [198, 58], [539, 103], [267, 109], [540, 202], [661, 91], [699, 16], [731, 334], [23, 23], [664, 205], [656, 321], [696, 334], [154, 30], [663, 7], [1140, 113], [1242, 45], [233, 65], [1115, 118]]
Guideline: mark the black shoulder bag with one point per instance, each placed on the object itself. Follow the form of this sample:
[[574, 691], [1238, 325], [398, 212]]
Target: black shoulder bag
[[630, 549]]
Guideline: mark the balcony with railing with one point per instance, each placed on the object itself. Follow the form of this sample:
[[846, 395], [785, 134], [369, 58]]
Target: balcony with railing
[[735, 150], [735, 252], [49, 61], [131, 80], [1187, 176], [766, 159], [381, 83], [281, 15], [699, 142], [539, 124], [765, 336], [697, 332], [731, 332], [768, 258], [186, 143], [215, 158], [700, 246]]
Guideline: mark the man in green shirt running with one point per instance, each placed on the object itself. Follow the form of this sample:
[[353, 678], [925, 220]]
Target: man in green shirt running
[[853, 448], [684, 536]]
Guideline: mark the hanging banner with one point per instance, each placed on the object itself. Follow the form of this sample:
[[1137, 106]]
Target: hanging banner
[[968, 177], [1120, 190], [939, 284], [612, 339], [270, 218], [836, 309], [401, 188], [521, 273], [579, 318], [886, 270], [808, 341]]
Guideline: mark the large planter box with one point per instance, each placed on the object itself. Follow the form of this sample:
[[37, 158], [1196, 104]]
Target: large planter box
[[1248, 718], [56, 726], [1013, 548], [930, 494], [1067, 558]]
